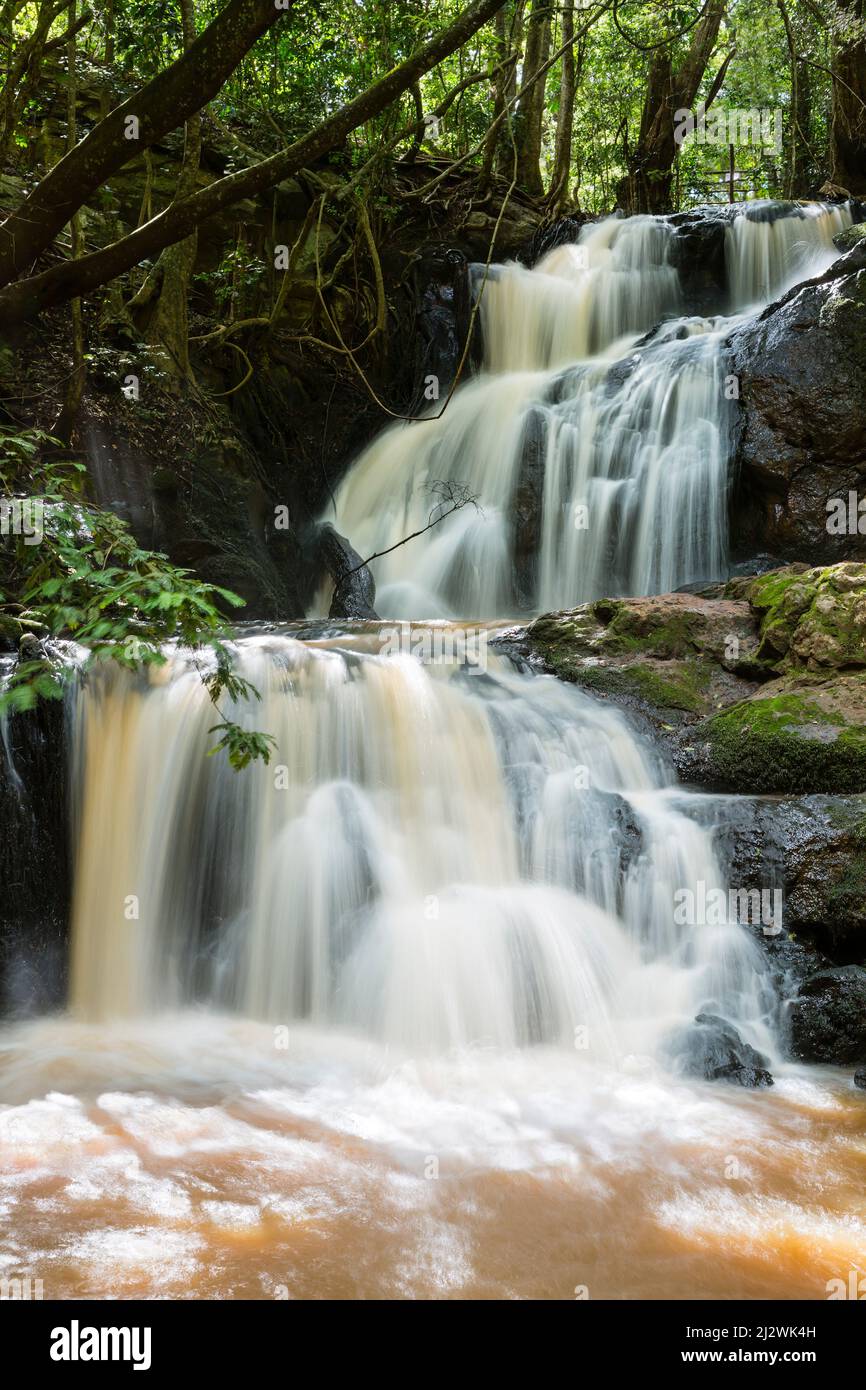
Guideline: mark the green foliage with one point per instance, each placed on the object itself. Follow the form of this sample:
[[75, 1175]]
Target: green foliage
[[243, 746], [88, 579], [323, 55]]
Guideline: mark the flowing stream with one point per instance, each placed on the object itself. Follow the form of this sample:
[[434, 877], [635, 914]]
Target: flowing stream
[[388, 1017]]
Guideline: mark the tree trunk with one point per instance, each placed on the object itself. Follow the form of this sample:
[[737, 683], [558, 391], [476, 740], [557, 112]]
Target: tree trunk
[[503, 77], [797, 161], [647, 185], [65, 423], [559, 183], [505, 152], [803, 161], [848, 127], [109, 21], [168, 329], [530, 110], [63, 282], [25, 63], [160, 106]]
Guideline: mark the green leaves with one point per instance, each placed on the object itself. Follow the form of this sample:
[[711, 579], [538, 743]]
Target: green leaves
[[88, 579], [243, 746], [31, 682]]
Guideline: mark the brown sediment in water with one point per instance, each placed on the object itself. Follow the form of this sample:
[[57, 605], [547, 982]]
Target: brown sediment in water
[[622, 1182]]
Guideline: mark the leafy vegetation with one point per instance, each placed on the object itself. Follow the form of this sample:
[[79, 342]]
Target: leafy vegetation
[[575, 103], [86, 579]]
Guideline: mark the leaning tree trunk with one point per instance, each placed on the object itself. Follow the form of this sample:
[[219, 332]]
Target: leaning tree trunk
[[647, 186], [65, 422], [530, 111], [848, 126], [168, 329]]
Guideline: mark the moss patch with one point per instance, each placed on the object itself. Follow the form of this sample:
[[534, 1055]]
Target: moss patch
[[813, 619], [787, 743], [679, 686]]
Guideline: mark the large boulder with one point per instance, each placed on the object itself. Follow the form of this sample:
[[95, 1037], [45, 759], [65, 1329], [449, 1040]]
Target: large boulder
[[801, 367], [354, 586], [527, 506], [756, 686], [673, 657], [35, 869], [804, 729], [698, 252], [827, 1019], [813, 849], [712, 1049]]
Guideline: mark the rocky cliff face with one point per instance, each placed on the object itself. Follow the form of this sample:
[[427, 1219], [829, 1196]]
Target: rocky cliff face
[[802, 439], [35, 871]]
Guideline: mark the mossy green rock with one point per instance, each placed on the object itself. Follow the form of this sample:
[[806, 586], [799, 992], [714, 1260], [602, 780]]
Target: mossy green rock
[[674, 654], [804, 730], [785, 741], [813, 619], [759, 685], [851, 237]]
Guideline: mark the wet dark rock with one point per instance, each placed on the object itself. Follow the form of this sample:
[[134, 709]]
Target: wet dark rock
[[814, 849], [827, 1020], [527, 507], [443, 306], [712, 1049], [355, 588], [698, 253], [559, 233], [35, 870], [802, 367], [860, 1078]]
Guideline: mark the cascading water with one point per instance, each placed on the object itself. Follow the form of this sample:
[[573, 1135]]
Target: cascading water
[[767, 254], [598, 456], [435, 937], [434, 862]]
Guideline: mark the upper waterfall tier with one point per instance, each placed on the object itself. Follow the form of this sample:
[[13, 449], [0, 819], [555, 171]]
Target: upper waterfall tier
[[596, 440], [616, 281]]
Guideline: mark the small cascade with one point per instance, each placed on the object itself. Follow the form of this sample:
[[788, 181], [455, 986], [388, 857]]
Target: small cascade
[[772, 246], [436, 857], [581, 298], [596, 440]]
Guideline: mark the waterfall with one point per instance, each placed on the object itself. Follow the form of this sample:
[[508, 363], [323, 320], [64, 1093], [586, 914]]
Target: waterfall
[[594, 442], [437, 935], [581, 298], [774, 245], [436, 857]]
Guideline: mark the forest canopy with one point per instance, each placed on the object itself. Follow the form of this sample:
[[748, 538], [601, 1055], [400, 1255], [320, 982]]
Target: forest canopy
[[576, 107]]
